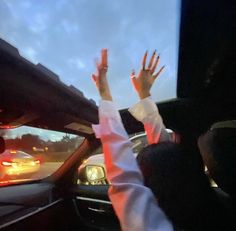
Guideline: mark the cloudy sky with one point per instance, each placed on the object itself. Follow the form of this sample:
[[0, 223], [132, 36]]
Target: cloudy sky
[[67, 35]]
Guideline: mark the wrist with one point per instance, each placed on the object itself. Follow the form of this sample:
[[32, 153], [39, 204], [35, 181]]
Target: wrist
[[143, 95], [106, 96]]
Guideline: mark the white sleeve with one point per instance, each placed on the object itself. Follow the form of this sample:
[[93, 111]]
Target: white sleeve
[[134, 204], [147, 112]]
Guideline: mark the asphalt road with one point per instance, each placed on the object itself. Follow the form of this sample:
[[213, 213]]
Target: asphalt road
[[46, 169]]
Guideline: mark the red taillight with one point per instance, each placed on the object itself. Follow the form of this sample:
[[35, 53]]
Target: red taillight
[[7, 126], [6, 163]]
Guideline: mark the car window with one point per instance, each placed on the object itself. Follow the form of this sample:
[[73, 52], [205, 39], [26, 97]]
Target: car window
[[34, 153]]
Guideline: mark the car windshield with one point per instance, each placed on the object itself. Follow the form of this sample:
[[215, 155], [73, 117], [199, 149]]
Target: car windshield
[[34, 153], [66, 37]]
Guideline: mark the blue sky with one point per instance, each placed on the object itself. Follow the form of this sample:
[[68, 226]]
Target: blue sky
[[67, 35]]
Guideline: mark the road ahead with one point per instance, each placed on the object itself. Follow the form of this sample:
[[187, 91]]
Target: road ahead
[[46, 169]]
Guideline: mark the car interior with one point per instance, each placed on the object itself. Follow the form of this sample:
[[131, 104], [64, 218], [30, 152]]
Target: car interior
[[33, 96]]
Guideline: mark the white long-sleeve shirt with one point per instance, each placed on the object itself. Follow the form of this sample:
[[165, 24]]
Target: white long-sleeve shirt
[[135, 205], [147, 112]]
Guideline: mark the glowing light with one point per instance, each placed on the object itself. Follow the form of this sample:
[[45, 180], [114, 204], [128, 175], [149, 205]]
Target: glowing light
[[7, 126], [6, 163]]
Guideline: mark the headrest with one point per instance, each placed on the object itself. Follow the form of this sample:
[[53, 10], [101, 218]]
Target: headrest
[[224, 124]]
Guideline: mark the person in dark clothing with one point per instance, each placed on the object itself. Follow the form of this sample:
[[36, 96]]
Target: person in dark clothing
[[176, 178], [182, 189]]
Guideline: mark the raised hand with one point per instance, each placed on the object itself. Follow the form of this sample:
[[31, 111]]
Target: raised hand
[[146, 77], [100, 78]]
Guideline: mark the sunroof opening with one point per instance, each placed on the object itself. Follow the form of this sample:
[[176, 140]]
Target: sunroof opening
[[66, 37]]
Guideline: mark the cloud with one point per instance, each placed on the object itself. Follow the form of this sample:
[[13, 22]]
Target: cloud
[[69, 27], [76, 62], [38, 23]]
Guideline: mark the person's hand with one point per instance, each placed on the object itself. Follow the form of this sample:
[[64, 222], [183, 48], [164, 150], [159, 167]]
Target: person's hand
[[100, 79], [146, 77]]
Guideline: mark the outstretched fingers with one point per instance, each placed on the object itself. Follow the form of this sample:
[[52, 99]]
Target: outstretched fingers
[[133, 77], [158, 73], [104, 58], [100, 78], [153, 63], [151, 60], [94, 78], [144, 60], [153, 68], [102, 64]]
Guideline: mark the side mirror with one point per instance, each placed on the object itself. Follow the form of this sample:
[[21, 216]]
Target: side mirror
[[2, 145], [92, 174]]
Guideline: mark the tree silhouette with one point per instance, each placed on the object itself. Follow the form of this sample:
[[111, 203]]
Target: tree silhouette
[[29, 141]]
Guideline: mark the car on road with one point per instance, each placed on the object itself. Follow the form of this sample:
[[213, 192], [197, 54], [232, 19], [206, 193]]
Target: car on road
[[15, 164]]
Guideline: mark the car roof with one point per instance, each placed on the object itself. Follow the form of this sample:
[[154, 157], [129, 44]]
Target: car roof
[[15, 153], [33, 95]]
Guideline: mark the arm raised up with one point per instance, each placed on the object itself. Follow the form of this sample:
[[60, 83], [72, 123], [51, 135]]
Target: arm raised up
[[146, 110], [134, 204]]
